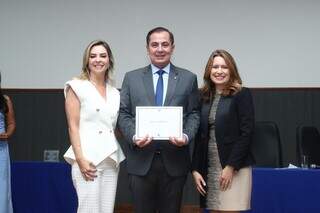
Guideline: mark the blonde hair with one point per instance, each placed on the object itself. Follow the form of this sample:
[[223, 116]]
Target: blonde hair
[[85, 72]]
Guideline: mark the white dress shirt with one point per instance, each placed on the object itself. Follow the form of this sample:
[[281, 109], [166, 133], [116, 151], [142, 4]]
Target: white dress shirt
[[165, 77]]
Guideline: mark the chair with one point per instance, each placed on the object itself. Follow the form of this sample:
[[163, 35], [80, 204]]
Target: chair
[[308, 143], [266, 145]]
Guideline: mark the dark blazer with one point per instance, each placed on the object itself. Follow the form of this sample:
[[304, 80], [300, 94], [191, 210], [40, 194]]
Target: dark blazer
[[137, 90], [234, 128]]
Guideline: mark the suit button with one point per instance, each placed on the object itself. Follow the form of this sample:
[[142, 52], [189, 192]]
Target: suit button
[[97, 110], [110, 131], [100, 132]]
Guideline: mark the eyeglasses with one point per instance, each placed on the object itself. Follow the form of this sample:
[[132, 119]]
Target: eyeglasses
[[222, 67]]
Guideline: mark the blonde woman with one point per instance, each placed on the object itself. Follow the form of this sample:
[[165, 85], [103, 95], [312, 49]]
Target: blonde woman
[[92, 106]]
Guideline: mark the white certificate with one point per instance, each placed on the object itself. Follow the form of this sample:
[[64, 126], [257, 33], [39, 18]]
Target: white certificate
[[159, 122]]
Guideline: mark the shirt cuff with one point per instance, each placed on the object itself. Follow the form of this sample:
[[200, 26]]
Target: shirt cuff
[[187, 142]]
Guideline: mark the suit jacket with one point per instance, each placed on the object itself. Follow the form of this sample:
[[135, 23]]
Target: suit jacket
[[137, 90], [234, 128]]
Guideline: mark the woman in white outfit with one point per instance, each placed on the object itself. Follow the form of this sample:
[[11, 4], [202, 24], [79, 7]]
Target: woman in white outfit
[[92, 106]]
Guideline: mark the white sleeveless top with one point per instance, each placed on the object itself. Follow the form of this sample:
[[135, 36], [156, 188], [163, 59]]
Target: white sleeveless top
[[98, 119]]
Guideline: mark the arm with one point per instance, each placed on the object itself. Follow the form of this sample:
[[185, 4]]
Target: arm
[[245, 111], [193, 116], [245, 114], [72, 107], [126, 120], [10, 120], [197, 163]]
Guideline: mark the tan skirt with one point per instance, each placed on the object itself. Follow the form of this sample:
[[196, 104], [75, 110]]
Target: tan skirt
[[237, 197]]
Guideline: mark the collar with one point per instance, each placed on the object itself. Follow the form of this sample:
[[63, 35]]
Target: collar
[[155, 69]]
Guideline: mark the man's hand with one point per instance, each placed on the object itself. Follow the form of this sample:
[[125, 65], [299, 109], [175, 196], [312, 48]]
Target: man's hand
[[143, 142], [178, 141]]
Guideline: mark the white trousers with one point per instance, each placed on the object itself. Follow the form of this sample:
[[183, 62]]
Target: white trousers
[[96, 196]]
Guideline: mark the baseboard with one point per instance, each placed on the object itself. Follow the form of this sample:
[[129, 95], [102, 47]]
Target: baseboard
[[128, 208]]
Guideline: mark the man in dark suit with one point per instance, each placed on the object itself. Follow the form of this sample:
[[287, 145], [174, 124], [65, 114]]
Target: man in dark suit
[[158, 169]]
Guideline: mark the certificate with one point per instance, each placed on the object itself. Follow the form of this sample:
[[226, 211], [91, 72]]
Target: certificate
[[159, 122]]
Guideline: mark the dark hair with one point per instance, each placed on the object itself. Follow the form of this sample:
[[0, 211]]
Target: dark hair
[[3, 102], [159, 30], [232, 87]]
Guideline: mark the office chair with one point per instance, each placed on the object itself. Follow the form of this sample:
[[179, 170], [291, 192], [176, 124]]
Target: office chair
[[266, 145], [308, 143]]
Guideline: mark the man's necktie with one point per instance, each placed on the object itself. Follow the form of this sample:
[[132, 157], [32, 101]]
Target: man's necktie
[[159, 89]]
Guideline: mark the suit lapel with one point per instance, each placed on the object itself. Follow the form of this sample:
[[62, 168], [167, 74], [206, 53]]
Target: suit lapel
[[172, 82], [148, 84]]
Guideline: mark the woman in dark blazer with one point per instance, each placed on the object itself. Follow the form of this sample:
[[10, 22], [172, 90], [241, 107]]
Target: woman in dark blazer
[[222, 161]]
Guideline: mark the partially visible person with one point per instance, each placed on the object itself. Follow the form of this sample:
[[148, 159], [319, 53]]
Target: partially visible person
[[222, 160], [92, 106], [7, 127]]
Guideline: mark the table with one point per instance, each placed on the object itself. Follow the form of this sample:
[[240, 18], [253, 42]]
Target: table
[[40, 187], [285, 190]]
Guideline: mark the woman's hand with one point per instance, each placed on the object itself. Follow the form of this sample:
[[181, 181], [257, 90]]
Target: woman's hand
[[226, 178], [200, 183], [87, 169], [10, 121], [4, 136]]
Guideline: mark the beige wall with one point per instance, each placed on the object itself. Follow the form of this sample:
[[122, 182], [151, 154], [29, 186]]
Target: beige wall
[[275, 43]]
